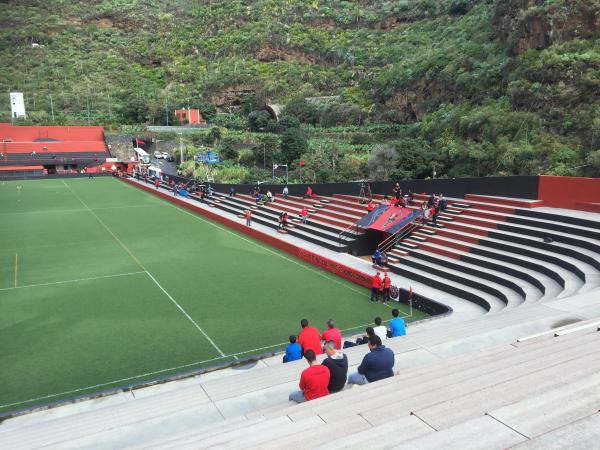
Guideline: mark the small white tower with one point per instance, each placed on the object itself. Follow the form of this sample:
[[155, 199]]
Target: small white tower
[[17, 105]]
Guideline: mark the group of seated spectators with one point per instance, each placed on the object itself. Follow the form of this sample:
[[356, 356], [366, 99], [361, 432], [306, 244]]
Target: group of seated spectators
[[432, 208], [331, 375]]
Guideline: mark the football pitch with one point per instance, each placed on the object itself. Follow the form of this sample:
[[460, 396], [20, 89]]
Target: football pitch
[[104, 285]]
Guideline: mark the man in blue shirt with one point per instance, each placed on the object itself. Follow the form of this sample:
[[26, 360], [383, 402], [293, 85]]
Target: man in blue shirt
[[397, 325], [376, 258], [293, 351], [376, 365]]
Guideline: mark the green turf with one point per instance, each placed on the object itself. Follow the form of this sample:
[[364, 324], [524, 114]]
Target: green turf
[[87, 315]]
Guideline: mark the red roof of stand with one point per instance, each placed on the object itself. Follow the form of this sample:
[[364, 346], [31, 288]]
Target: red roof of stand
[[6, 168], [48, 139]]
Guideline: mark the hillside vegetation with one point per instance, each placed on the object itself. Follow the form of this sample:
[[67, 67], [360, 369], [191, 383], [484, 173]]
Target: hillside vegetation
[[456, 87]]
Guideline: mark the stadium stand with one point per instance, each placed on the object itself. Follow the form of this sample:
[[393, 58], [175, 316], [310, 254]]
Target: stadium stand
[[513, 375], [470, 384], [56, 148]]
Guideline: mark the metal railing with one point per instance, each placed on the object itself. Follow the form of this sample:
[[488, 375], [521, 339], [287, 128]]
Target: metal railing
[[392, 240], [344, 235]]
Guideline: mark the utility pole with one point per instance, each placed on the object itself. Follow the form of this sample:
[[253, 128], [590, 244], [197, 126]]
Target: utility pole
[[87, 99], [181, 145], [51, 107], [109, 107]]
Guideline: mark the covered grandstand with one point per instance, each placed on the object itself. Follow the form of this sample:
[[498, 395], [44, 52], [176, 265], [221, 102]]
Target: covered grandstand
[[50, 149]]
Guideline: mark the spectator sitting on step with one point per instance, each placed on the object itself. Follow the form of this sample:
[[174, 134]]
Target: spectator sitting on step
[[384, 259], [309, 192], [376, 365], [433, 216], [313, 381], [370, 206], [424, 213], [286, 192], [283, 217], [304, 215], [337, 363], [386, 200], [361, 340], [269, 196], [259, 198], [380, 330], [232, 191], [309, 338], [397, 325], [430, 200], [293, 351], [332, 334], [376, 258], [411, 197], [443, 202]]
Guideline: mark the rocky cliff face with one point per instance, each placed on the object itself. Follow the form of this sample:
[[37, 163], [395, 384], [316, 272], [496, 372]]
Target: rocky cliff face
[[527, 24]]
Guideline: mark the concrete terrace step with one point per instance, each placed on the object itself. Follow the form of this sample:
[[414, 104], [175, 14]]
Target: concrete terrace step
[[538, 414], [580, 434], [331, 207], [508, 295], [505, 384], [548, 375], [343, 220], [555, 254], [323, 238], [526, 290], [558, 217], [487, 301], [531, 231], [561, 271], [315, 221], [519, 202], [395, 397], [529, 276]]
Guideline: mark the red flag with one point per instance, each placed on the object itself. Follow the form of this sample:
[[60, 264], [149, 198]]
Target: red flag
[[410, 293]]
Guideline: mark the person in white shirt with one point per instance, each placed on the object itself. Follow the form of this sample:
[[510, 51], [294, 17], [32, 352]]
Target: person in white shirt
[[379, 329]]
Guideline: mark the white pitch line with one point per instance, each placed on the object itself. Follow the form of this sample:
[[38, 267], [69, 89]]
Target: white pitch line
[[186, 314], [139, 263], [72, 281]]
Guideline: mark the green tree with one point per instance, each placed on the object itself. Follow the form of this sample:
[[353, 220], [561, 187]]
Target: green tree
[[382, 162], [293, 144]]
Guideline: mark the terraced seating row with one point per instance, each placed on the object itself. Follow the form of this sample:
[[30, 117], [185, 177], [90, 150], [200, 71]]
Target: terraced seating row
[[323, 227], [512, 261], [496, 397]]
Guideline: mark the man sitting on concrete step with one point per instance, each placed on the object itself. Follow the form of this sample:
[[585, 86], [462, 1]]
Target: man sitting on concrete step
[[376, 365], [313, 381], [337, 363]]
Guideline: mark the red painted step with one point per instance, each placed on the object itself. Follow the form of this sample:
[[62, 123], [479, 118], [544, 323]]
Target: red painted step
[[474, 221], [493, 215], [458, 246], [439, 251], [518, 202], [465, 228]]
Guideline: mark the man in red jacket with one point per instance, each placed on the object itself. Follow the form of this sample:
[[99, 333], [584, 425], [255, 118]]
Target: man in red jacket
[[332, 334], [387, 282], [313, 381], [375, 287], [309, 338]]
